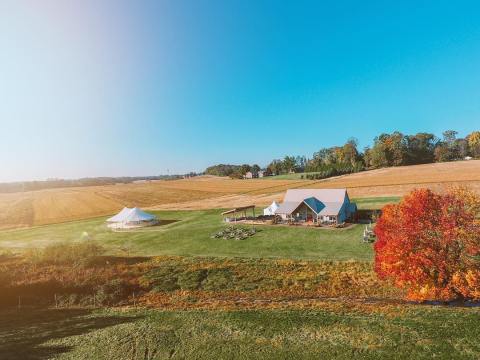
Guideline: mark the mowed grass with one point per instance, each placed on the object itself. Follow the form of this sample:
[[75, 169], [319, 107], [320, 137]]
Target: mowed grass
[[188, 233], [375, 203], [341, 332]]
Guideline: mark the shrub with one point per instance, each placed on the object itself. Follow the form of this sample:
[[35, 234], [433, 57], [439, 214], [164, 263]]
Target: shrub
[[81, 253], [112, 292], [429, 245], [192, 280]]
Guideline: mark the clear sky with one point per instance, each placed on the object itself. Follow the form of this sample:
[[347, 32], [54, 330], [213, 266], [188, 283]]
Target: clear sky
[[109, 88]]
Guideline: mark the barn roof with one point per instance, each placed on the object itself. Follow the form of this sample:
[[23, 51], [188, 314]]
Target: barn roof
[[320, 201]]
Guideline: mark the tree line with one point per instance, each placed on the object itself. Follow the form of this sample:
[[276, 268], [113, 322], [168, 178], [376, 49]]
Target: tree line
[[395, 149]]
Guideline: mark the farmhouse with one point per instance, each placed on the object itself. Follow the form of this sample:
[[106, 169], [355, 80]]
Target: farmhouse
[[317, 206]]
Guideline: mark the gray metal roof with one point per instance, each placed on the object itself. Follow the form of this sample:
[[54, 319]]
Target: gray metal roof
[[331, 208], [288, 207], [321, 201]]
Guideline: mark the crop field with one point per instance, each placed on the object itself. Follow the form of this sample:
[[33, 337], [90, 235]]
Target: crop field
[[397, 181], [59, 205]]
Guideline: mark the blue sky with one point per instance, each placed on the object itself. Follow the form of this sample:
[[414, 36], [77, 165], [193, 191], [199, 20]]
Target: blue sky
[[110, 88]]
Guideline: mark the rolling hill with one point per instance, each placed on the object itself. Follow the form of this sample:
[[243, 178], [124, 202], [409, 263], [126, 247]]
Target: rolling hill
[[32, 208]]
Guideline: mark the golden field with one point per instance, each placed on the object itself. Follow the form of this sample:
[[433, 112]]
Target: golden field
[[59, 205]]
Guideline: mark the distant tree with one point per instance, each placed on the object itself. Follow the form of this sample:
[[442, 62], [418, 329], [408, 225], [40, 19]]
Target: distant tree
[[255, 168], [389, 150], [429, 244], [350, 152], [300, 163], [449, 137], [367, 156], [245, 168], [474, 143], [289, 164], [275, 167], [447, 149], [461, 146], [421, 148], [222, 170], [442, 153]]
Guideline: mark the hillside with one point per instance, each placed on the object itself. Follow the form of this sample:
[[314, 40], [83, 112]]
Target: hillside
[[59, 205]]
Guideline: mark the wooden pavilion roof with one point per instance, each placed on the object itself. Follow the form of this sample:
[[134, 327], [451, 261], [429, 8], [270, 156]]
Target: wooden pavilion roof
[[239, 209]]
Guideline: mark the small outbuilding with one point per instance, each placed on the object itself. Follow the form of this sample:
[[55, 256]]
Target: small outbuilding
[[270, 210], [131, 218]]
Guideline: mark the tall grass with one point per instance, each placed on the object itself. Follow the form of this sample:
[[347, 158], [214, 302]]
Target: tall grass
[[77, 253]]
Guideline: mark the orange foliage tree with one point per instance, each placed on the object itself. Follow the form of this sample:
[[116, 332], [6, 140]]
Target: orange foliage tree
[[429, 244]]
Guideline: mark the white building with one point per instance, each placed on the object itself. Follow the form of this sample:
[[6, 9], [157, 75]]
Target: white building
[[317, 206]]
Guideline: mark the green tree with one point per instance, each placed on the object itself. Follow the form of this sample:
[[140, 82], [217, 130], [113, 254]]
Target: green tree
[[255, 168], [289, 163], [245, 168]]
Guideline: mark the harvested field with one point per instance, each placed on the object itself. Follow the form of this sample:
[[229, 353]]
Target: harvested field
[[397, 181], [59, 205]]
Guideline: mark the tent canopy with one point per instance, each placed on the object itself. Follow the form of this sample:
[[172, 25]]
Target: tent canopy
[[268, 211], [128, 215]]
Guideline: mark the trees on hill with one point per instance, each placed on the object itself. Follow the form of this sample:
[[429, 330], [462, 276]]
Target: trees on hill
[[395, 149], [429, 244]]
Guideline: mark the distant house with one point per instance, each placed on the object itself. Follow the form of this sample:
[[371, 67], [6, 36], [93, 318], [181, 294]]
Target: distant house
[[248, 175], [330, 206], [254, 175]]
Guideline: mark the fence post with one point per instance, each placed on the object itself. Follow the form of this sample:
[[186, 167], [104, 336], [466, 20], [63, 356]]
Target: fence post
[[93, 300], [133, 295], [56, 301], [19, 302]]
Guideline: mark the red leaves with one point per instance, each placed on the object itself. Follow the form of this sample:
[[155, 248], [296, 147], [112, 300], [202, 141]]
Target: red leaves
[[428, 244]]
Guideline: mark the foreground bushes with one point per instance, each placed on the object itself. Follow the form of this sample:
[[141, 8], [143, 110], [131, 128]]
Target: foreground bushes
[[176, 282], [81, 253]]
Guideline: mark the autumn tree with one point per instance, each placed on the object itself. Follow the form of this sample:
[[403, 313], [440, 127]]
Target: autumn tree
[[474, 143], [429, 244]]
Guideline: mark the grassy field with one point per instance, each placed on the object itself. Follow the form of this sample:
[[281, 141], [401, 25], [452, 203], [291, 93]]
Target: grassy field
[[58, 205], [340, 332], [187, 233]]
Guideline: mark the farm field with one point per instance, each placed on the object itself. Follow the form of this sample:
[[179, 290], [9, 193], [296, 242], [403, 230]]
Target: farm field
[[60, 205], [187, 233], [340, 331]]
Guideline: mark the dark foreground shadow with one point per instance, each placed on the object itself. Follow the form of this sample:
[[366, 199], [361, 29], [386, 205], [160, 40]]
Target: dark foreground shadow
[[163, 222], [23, 332]]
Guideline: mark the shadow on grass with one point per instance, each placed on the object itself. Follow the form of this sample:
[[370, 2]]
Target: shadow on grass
[[24, 332]]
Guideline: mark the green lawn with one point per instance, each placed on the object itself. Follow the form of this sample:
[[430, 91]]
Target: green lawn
[[187, 233], [375, 202], [399, 332], [296, 176]]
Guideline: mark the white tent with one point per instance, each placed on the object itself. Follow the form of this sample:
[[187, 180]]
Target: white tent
[[131, 218], [269, 211]]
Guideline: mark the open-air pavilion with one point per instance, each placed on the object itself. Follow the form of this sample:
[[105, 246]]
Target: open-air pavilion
[[235, 215]]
